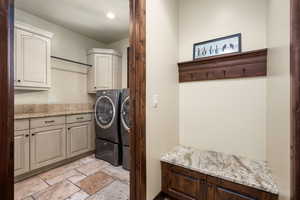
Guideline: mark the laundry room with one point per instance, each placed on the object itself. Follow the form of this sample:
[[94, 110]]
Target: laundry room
[[71, 134]]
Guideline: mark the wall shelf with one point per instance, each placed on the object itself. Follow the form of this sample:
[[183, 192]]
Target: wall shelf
[[237, 65]]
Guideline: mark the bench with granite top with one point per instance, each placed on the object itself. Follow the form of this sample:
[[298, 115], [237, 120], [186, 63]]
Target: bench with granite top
[[192, 174]]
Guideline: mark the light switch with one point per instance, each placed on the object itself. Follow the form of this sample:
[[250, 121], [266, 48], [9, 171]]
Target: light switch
[[155, 101]]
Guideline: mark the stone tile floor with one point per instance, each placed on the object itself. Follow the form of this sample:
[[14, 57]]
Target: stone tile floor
[[85, 179]]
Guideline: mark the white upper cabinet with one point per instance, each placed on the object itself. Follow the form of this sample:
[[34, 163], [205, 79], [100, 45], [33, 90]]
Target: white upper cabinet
[[105, 73], [32, 58]]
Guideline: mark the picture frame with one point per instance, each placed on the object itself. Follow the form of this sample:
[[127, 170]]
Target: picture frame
[[219, 46]]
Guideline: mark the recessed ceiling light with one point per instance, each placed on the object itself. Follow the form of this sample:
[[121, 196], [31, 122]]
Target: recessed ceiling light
[[110, 15]]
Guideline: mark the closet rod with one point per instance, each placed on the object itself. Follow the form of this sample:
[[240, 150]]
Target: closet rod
[[71, 61]]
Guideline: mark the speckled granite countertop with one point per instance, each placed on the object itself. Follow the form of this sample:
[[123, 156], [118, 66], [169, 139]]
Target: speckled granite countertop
[[27, 111], [38, 115], [233, 168]]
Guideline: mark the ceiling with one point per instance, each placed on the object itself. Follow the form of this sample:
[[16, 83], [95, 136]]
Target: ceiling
[[87, 17]]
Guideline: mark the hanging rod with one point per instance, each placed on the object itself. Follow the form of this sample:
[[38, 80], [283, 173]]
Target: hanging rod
[[71, 61]]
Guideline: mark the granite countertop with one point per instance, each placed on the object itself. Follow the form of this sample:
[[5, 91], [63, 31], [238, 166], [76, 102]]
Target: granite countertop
[[50, 114], [232, 168]]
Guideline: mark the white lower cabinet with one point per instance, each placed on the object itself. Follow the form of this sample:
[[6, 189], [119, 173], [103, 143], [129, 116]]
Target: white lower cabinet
[[47, 146], [40, 142], [78, 138], [21, 152]]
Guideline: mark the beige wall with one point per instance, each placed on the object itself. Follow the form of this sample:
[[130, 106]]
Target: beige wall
[[68, 80], [69, 85], [223, 115], [121, 46], [278, 94], [162, 80]]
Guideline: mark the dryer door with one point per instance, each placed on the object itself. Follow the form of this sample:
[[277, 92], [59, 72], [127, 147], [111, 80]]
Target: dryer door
[[125, 114], [105, 112]]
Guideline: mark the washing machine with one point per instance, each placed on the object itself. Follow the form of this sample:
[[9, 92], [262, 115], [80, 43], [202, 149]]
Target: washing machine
[[108, 138], [125, 128]]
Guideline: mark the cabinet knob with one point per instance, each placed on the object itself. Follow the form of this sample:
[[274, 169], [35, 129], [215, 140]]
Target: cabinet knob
[[19, 81], [33, 134], [27, 135]]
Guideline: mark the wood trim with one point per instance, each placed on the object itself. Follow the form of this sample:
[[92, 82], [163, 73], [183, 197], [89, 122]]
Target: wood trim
[[137, 85], [295, 99], [237, 65], [6, 99]]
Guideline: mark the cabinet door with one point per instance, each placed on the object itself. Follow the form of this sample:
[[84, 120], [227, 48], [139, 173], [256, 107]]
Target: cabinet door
[[21, 152], [224, 194], [78, 138], [32, 60], [48, 145], [103, 72]]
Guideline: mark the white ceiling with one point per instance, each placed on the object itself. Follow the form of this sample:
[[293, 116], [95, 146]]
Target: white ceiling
[[87, 17]]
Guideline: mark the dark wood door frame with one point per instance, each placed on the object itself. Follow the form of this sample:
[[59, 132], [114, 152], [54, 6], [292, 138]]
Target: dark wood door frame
[[6, 99], [137, 85], [295, 99]]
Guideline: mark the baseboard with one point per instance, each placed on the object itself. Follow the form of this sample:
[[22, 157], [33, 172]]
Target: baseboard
[[49, 167]]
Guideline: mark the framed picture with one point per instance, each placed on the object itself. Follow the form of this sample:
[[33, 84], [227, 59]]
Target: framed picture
[[219, 46]]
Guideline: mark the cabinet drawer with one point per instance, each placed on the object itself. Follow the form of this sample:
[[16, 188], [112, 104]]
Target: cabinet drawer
[[223, 194], [183, 184], [22, 124], [79, 118], [47, 121]]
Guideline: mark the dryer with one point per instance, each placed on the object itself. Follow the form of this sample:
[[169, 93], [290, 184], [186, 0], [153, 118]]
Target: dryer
[[108, 138], [107, 115], [125, 127]]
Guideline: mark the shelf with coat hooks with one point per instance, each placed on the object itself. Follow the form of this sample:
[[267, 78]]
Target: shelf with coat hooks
[[237, 65], [71, 61]]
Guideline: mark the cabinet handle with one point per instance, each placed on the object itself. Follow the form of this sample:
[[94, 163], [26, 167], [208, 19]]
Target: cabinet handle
[[79, 118], [47, 122]]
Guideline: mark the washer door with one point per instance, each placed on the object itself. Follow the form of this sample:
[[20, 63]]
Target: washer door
[[105, 112], [125, 113]]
